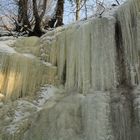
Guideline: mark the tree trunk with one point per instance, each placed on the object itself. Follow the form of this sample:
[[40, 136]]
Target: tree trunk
[[23, 21], [77, 9], [59, 13], [38, 18], [25, 14], [37, 31]]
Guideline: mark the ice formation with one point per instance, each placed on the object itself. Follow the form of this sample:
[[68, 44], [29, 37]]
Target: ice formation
[[100, 53], [96, 65], [22, 74]]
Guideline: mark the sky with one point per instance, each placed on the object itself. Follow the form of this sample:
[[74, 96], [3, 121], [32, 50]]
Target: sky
[[69, 11], [69, 14]]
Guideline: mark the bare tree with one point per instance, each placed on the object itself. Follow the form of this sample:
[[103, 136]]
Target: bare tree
[[78, 9], [28, 15], [31, 16], [59, 12], [23, 20], [38, 17], [78, 5]]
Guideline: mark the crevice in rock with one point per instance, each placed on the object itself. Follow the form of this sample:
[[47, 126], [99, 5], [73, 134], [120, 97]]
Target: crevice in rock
[[121, 70], [64, 74]]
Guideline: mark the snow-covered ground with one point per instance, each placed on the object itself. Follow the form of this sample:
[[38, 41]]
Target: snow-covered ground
[[24, 108], [5, 43]]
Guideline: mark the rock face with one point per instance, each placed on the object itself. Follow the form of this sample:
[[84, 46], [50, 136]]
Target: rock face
[[96, 65]]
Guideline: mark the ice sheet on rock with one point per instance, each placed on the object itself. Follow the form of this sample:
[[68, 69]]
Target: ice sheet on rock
[[24, 108], [29, 55], [45, 93], [87, 52], [22, 111], [46, 63], [96, 116], [128, 23], [22, 75], [12, 129], [5, 48]]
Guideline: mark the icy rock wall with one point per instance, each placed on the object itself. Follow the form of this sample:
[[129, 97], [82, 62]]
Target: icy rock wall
[[96, 116], [98, 54], [128, 21], [22, 74], [19, 75], [86, 55], [87, 58], [101, 53], [28, 45], [74, 117]]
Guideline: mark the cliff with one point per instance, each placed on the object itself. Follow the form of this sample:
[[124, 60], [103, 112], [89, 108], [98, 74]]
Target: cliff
[[80, 81]]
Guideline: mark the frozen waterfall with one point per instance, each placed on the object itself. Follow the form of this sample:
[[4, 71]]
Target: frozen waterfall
[[95, 65]]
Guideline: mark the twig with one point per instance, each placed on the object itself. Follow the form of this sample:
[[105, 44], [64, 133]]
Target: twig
[[117, 2], [101, 4]]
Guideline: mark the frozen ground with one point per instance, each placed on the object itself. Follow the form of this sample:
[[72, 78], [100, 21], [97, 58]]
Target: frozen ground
[[25, 108]]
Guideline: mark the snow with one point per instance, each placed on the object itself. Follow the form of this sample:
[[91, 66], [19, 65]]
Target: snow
[[5, 48], [21, 112], [46, 63], [5, 43], [12, 129], [26, 108], [29, 55], [46, 93]]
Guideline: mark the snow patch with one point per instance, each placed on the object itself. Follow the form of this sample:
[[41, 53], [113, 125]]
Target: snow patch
[[5, 43], [46, 63], [29, 55], [5, 48], [45, 93], [25, 108], [12, 129]]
